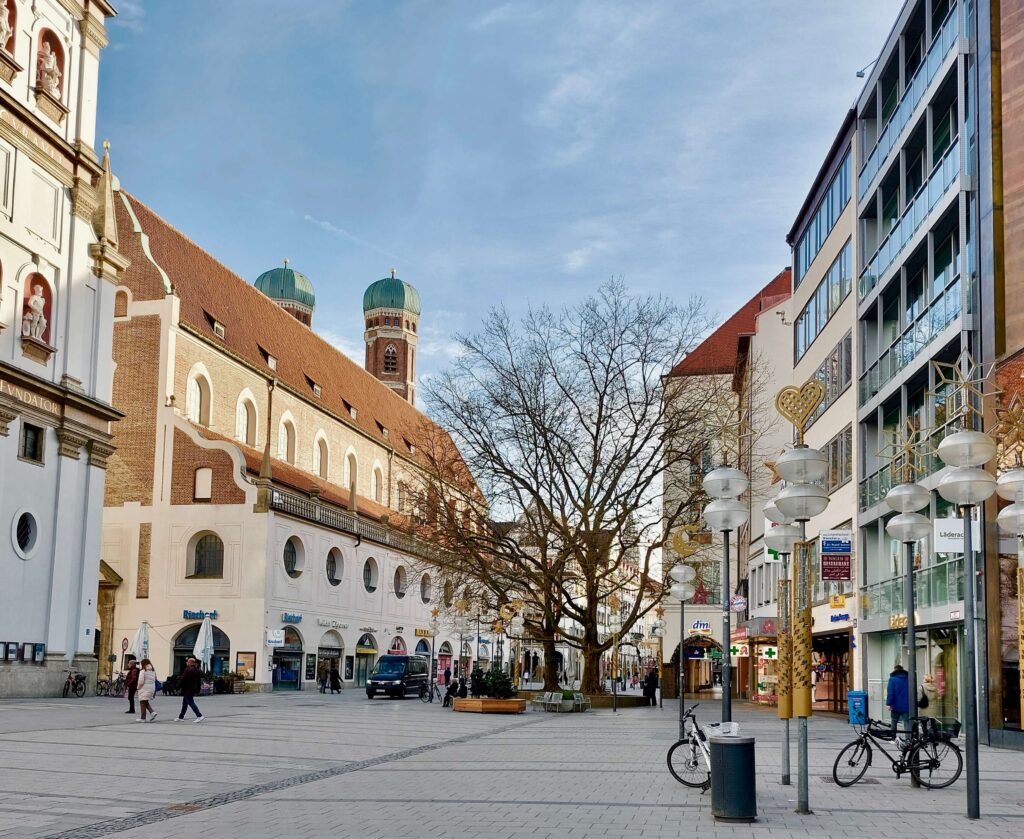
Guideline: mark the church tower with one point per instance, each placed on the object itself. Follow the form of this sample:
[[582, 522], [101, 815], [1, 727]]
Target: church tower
[[391, 309], [291, 290]]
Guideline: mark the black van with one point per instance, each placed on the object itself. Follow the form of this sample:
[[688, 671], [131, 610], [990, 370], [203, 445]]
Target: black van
[[398, 675]]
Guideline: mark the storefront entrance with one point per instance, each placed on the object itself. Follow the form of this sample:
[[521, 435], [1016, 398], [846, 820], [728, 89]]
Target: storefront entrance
[[366, 654], [329, 654], [287, 674], [444, 660], [185, 642], [830, 659]]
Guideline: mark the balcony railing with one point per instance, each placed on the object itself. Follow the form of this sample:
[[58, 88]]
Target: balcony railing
[[874, 488], [940, 179], [941, 312], [342, 520], [939, 585], [941, 44]]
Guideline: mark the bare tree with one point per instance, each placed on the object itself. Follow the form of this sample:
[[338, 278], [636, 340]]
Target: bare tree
[[565, 423]]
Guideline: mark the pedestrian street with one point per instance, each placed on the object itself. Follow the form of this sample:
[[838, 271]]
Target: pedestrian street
[[306, 764]]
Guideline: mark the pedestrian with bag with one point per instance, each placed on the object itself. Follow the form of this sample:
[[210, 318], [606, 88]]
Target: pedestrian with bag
[[146, 691], [335, 678], [190, 684], [131, 683], [928, 701]]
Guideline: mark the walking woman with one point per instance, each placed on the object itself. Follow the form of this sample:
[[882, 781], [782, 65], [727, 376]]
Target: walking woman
[[146, 691]]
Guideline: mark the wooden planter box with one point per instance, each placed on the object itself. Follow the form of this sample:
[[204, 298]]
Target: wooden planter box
[[491, 706]]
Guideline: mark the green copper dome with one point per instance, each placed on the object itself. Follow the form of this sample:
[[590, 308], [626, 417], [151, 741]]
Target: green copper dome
[[286, 284], [391, 293]]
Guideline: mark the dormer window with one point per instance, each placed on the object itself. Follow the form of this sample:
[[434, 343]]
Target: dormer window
[[314, 387], [271, 362], [218, 329], [383, 430], [409, 445], [349, 407]]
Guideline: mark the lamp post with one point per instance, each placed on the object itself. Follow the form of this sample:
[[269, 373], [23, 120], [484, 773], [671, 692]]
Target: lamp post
[[682, 590], [516, 626], [659, 628], [781, 539], [801, 500], [433, 626], [909, 527], [724, 514], [968, 485], [614, 626]]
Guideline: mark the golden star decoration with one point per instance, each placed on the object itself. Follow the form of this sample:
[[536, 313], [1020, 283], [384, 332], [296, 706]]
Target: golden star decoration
[[966, 380], [906, 448], [724, 424], [1009, 430]]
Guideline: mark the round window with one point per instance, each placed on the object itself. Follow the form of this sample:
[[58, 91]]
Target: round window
[[370, 575], [26, 532], [401, 582], [293, 558], [334, 567]]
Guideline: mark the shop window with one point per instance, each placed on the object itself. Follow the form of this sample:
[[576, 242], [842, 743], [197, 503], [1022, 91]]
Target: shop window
[[31, 445], [401, 582], [206, 557], [293, 556], [335, 566], [370, 575]]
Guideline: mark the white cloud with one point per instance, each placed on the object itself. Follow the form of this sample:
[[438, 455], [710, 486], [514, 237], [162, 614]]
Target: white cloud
[[354, 350], [130, 15], [342, 233]]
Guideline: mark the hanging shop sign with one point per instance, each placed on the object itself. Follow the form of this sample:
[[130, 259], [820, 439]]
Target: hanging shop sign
[[837, 601], [768, 653], [836, 554], [695, 652], [700, 627], [949, 535], [737, 603], [275, 637], [740, 650]]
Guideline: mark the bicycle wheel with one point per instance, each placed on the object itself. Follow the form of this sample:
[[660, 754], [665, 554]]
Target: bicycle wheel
[[80, 688], [117, 689], [851, 763], [686, 763], [425, 694], [102, 687], [67, 687], [936, 765]]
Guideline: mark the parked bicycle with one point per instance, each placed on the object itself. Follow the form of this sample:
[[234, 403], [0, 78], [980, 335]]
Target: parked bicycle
[[927, 752], [102, 686], [74, 683], [689, 759], [116, 686], [428, 692]]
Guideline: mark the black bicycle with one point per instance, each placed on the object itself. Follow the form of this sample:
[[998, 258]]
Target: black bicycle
[[927, 752], [428, 692]]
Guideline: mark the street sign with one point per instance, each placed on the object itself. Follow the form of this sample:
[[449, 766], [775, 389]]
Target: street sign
[[124, 645], [769, 653], [737, 603]]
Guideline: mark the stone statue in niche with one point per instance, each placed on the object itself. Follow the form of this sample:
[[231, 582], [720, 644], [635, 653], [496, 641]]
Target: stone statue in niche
[[5, 24], [47, 71], [33, 322]]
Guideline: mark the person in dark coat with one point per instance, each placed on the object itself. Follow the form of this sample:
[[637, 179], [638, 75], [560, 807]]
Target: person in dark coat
[[463, 690], [450, 694], [335, 680], [447, 675], [131, 683], [897, 696], [651, 687], [190, 684]]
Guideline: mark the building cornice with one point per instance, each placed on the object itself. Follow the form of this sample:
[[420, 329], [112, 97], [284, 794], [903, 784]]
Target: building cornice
[[61, 396]]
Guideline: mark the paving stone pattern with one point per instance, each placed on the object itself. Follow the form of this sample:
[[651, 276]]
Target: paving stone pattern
[[341, 766]]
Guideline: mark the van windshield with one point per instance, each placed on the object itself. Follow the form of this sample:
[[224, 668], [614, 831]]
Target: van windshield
[[389, 667]]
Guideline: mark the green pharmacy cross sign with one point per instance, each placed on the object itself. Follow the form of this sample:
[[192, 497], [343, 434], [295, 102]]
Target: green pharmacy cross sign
[[770, 653], [734, 650]]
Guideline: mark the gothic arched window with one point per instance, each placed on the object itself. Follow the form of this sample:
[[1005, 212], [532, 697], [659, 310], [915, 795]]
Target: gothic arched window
[[391, 359]]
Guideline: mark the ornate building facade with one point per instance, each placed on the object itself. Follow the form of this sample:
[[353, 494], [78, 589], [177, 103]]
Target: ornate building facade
[[59, 263]]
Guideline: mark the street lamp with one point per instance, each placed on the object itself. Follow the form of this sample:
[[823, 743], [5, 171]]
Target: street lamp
[[516, 626], [725, 513], [802, 500], [682, 590], [781, 538], [433, 626], [909, 527], [463, 625], [968, 485], [658, 628]]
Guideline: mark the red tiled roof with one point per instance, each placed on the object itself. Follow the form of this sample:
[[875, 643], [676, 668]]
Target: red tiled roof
[[253, 323], [719, 352]]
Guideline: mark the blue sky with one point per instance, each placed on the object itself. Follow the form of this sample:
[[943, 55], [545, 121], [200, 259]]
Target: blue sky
[[491, 152]]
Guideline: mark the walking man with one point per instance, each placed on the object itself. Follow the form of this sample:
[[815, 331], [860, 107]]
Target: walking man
[[131, 683], [897, 696], [190, 684]]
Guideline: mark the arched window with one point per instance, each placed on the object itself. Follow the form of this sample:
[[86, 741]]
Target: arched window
[[351, 470], [426, 588], [378, 485], [449, 594], [398, 646], [390, 359], [197, 399], [245, 421], [401, 582], [286, 441], [370, 575], [321, 456], [206, 557], [335, 566], [293, 557]]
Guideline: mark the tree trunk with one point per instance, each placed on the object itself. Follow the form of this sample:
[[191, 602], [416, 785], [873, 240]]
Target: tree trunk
[[590, 683], [550, 667]]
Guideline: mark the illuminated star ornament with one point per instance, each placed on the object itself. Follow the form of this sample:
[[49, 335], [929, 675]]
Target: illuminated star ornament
[[1009, 432], [723, 423], [907, 449], [960, 386]]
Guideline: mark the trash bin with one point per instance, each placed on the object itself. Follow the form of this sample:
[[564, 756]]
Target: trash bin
[[857, 703], [733, 783]]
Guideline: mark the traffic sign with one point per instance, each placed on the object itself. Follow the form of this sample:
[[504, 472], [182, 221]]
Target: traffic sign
[[124, 645]]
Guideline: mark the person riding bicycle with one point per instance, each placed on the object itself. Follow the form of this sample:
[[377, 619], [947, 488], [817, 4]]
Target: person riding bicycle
[[897, 696]]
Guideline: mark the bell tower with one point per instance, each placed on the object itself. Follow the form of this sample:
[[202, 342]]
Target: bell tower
[[391, 311]]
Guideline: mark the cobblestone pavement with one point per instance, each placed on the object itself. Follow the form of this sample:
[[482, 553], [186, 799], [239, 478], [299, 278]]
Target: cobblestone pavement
[[341, 766]]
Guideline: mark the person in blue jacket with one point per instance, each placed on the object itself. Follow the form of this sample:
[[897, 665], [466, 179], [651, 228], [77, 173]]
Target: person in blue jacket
[[897, 696]]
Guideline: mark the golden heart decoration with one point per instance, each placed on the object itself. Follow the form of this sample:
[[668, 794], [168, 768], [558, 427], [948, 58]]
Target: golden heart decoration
[[798, 404]]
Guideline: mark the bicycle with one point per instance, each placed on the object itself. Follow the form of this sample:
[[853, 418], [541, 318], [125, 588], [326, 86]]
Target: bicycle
[[116, 686], [428, 692], [102, 686], [692, 765], [74, 683], [927, 753]]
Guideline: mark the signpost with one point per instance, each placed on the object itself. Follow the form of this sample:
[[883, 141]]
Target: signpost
[[836, 554]]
